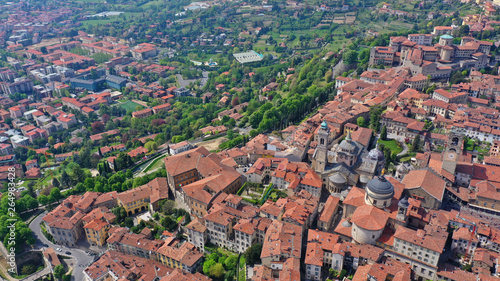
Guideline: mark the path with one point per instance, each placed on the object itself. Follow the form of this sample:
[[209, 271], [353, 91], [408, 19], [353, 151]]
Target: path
[[405, 149]]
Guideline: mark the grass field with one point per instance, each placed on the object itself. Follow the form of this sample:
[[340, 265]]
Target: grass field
[[242, 275], [393, 145], [157, 163], [129, 105]]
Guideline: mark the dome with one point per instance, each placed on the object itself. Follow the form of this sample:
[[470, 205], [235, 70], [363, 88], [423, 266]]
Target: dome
[[446, 36], [402, 168], [324, 125], [380, 188], [376, 154], [337, 178], [346, 223], [347, 145], [404, 203]]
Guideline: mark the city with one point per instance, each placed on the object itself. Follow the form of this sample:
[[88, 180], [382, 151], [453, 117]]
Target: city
[[160, 140]]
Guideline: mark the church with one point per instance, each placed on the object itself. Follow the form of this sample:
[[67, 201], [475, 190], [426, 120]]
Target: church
[[345, 164]]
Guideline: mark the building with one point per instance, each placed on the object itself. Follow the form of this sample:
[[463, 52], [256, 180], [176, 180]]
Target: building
[[319, 253], [282, 241], [116, 82], [180, 147], [144, 51], [329, 213], [142, 113], [20, 85], [183, 256], [426, 186]]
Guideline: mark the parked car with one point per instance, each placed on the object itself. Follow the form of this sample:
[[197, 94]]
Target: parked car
[[68, 253], [59, 249]]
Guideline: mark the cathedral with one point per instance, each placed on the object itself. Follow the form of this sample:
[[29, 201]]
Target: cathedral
[[345, 164]]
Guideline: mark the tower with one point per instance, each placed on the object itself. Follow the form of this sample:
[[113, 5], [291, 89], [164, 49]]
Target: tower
[[403, 209], [321, 154], [453, 149]]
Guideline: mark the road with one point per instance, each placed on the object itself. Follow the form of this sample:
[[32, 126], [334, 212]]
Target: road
[[80, 255], [405, 149]]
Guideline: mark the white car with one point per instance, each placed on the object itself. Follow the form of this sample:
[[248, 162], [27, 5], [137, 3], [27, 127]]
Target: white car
[[59, 249]]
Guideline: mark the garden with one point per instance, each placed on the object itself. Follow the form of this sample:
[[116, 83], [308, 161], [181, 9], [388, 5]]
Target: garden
[[257, 194]]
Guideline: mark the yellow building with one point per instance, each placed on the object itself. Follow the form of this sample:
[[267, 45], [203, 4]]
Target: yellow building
[[185, 257], [135, 200], [96, 232]]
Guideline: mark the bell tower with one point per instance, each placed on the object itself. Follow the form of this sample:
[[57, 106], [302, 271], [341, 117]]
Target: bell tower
[[453, 149], [321, 153]]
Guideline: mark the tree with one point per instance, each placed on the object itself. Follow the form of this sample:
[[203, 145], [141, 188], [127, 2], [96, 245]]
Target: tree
[[59, 271], [207, 265], [52, 141], [168, 207], [78, 173], [383, 134], [43, 200], [231, 262], [55, 194], [253, 133], [361, 121], [216, 271], [463, 30], [105, 118], [129, 222], [56, 183], [97, 127], [65, 179], [252, 254], [350, 57], [150, 146], [416, 144]]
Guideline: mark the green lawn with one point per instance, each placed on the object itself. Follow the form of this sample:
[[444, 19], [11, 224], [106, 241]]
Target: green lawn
[[157, 163], [129, 105], [241, 273], [393, 145]]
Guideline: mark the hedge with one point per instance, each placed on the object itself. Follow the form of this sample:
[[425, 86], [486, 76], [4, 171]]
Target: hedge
[[242, 188], [266, 194]]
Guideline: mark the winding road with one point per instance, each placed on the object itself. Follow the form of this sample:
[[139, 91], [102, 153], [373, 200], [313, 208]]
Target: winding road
[[80, 256]]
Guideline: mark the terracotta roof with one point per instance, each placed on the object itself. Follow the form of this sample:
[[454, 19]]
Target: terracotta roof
[[427, 180], [370, 218], [420, 238]]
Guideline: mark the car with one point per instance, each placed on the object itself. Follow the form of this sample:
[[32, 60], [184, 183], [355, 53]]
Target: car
[[59, 249], [68, 253]]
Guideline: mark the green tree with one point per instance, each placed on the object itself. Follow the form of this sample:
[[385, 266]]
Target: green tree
[[59, 271], [350, 57], [253, 133], [207, 265], [216, 271], [361, 121], [416, 144], [252, 254], [55, 194], [43, 200], [231, 262], [383, 134]]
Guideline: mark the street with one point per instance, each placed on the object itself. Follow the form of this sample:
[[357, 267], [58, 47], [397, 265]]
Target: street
[[81, 257]]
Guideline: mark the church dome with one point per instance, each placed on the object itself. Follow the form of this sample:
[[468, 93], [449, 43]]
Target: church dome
[[324, 125], [380, 188], [402, 168], [337, 178], [376, 154], [404, 203], [347, 145]]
